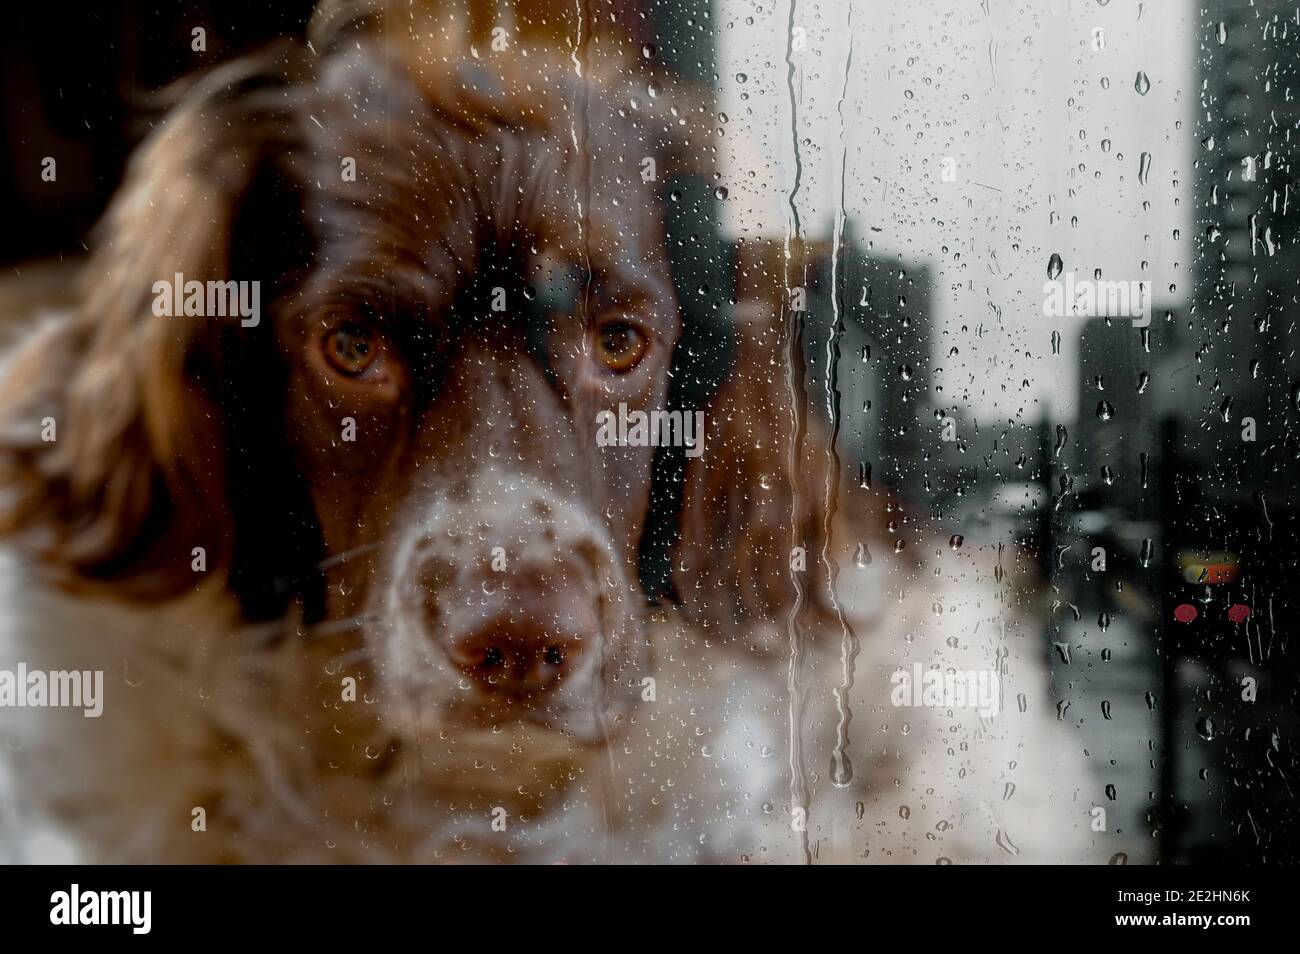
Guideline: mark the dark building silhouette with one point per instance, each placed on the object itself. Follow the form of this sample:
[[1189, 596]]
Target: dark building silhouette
[[1228, 759], [1122, 374], [882, 340], [1246, 193]]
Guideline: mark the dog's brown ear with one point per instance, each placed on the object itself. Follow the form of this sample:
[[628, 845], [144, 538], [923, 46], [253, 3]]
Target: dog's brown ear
[[751, 527], [112, 450]]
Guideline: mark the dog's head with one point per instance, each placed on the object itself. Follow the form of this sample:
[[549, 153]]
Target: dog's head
[[435, 275]]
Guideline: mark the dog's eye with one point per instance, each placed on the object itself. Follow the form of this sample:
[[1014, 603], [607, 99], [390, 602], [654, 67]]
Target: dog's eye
[[620, 345], [350, 349]]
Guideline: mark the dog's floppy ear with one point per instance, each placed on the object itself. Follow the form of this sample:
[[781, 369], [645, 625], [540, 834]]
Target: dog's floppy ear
[[113, 451], [750, 521]]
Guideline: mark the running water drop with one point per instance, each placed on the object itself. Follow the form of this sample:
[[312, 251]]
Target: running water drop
[[841, 769], [1054, 266], [1261, 510], [1003, 841], [1142, 83], [796, 620]]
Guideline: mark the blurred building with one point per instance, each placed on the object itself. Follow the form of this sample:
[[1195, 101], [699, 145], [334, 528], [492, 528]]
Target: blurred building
[[1110, 434], [1246, 194], [1229, 449], [872, 331]]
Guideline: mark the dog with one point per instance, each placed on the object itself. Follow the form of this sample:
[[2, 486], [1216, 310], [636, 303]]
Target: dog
[[361, 580]]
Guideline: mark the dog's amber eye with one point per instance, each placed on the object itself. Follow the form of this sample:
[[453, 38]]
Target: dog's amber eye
[[620, 345], [350, 349]]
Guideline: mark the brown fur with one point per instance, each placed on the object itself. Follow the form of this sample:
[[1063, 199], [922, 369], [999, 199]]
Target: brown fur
[[176, 433]]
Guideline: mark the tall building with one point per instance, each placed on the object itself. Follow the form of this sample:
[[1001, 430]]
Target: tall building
[[1231, 445], [881, 390], [1109, 436], [1246, 195]]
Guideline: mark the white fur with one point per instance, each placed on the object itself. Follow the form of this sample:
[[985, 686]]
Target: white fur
[[248, 723]]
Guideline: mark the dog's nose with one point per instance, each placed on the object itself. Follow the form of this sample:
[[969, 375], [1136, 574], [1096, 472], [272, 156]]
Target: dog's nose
[[523, 646]]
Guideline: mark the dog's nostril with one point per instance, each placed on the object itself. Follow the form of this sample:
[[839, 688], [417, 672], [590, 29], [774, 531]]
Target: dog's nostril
[[512, 658], [518, 671], [522, 642]]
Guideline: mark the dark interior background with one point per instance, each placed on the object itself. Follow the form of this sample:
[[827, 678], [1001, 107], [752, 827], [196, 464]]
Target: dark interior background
[[76, 83]]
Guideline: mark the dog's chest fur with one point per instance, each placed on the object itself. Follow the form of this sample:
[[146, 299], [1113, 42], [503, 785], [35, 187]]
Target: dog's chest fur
[[225, 742], [257, 726]]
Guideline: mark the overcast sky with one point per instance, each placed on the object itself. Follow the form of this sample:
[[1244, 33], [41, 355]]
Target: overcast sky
[[1043, 128]]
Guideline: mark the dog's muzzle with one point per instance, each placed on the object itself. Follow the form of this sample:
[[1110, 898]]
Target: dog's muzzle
[[506, 602]]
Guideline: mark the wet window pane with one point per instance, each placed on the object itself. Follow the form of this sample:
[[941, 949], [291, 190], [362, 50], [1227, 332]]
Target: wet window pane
[[648, 431]]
